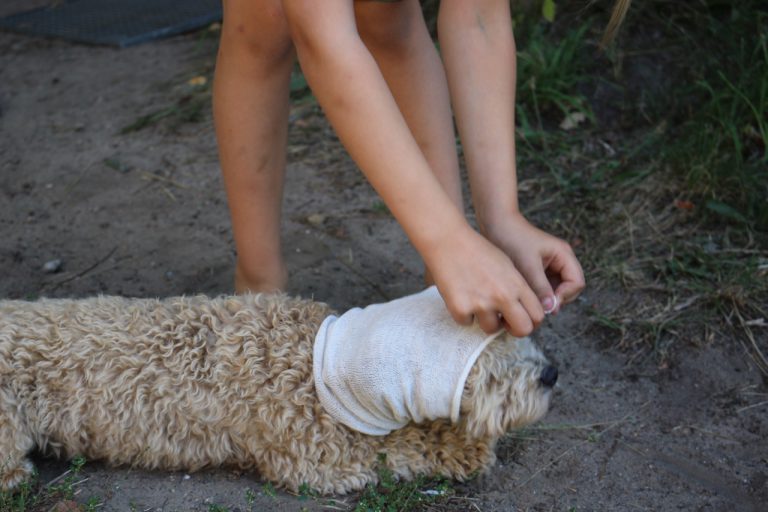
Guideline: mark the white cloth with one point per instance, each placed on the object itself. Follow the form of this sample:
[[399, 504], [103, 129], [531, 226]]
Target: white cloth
[[377, 369]]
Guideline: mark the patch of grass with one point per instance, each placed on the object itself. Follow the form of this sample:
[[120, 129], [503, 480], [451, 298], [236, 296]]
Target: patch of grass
[[549, 74], [721, 147], [192, 104], [21, 499], [392, 495], [670, 275], [250, 498], [93, 504], [33, 496], [668, 216], [306, 492], [67, 486], [189, 108], [269, 490]]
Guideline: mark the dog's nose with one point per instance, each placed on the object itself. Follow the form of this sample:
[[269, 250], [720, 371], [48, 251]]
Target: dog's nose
[[549, 376]]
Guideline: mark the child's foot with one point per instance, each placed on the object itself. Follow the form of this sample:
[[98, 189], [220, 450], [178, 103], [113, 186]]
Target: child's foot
[[260, 282]]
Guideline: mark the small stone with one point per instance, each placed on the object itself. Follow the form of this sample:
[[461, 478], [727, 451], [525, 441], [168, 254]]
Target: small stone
[[53, 266], [316, 219]]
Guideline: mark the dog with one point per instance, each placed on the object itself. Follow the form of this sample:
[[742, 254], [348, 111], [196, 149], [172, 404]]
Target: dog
[[191, 382]]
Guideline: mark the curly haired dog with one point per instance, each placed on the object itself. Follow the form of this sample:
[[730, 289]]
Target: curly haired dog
[[184, 383]]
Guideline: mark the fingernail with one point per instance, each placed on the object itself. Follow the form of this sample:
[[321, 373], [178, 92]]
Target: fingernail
[[549, 304]]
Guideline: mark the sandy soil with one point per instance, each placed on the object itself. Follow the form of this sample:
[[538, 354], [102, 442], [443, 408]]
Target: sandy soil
[[144, 214]]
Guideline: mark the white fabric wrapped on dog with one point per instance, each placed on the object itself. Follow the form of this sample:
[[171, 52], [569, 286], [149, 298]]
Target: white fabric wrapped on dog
[[377, 369]]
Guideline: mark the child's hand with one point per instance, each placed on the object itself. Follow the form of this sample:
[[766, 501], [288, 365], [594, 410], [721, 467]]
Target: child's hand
[[547, 263], [478, 281]]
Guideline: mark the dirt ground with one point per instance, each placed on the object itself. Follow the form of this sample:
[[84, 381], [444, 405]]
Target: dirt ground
[[144, 214]]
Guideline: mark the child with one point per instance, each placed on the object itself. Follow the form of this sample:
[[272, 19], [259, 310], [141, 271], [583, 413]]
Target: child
[[382, 85]]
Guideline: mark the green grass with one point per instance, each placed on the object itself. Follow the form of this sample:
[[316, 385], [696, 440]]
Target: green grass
[[549, 74], [667, 204], [722, 148], [33, 496], [392, 495], [189, 108], [19, 500]]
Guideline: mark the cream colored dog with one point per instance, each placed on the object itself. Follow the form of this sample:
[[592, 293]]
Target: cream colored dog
[[184, 383]]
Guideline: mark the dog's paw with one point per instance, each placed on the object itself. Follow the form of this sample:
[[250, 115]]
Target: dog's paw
[[12, 477]]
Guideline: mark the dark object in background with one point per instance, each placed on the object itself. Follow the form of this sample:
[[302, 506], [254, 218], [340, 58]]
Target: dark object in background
[[114, 22]]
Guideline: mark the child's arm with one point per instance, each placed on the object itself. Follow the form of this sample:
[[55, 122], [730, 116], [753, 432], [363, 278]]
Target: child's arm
[[478, 48], [474, 277]]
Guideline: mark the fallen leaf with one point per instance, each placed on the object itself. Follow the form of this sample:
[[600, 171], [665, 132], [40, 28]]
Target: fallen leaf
[[572, 120], [198, 81], [548, 9], [683, 204]]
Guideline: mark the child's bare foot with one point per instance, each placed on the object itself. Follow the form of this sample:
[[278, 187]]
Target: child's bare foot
[[261, 281]]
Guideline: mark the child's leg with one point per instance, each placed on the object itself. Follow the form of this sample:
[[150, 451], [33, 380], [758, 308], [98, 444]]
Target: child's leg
[[251, 114], [397, 37]]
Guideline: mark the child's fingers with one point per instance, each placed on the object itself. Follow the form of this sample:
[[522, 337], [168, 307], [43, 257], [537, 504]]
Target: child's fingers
[[488, 321], [537, 279], [571, 276], [517, 320], [531, 304], [569, 290], [462, 315]]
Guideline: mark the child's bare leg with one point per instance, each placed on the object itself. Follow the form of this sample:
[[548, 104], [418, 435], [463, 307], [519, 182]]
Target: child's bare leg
[[251, 114], [398, 39]]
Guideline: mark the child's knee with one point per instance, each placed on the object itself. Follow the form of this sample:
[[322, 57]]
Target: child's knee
[[261, 33], [388, 26]]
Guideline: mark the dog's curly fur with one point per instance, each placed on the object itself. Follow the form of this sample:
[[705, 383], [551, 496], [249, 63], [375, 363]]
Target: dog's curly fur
[[189, 382]]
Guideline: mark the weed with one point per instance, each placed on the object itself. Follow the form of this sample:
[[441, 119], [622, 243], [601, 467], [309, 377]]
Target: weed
[[187, 109], [269, 490], [20, 499], [549, 73], [66, 487], [250, 498], [392, 495], [217, 508], [306, 492], [93, 504], [193, 101], [31, 495]]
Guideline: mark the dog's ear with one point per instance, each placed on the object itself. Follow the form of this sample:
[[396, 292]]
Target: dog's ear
[[483, 399], [503, 391]]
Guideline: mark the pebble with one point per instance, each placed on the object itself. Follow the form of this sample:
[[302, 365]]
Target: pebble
[[53, 266]]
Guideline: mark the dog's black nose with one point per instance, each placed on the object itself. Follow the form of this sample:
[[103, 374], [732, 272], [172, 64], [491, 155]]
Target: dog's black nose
[[548, 376]]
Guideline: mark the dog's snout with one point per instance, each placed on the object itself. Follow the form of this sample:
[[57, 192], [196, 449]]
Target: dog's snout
[[548, 376]]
